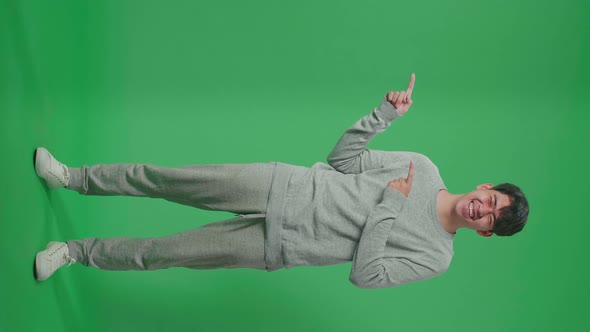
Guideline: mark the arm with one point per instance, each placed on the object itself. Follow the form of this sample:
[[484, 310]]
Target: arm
[[370, 267], [350, 154]]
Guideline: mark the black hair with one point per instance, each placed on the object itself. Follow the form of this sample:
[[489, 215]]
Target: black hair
[[513, 217]]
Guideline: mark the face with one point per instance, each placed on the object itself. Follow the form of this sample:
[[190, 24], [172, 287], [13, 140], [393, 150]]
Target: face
[[480, 208]]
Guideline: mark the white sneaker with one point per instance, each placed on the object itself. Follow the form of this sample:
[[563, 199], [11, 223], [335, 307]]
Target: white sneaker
[[51, 259], [56, 174]]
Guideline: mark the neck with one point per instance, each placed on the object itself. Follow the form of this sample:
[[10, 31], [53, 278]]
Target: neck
[[445, 206]]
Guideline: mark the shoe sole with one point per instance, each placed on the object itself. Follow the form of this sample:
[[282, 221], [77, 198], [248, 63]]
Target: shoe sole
[[35, 268], [35, 161], [35, 260]]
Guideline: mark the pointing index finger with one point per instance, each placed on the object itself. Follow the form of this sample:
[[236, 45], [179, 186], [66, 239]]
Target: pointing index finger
[[410, 173], [410, 86]]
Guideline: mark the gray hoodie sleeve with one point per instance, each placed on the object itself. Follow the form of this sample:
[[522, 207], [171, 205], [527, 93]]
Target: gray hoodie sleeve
[[350, 154], [370, 267]]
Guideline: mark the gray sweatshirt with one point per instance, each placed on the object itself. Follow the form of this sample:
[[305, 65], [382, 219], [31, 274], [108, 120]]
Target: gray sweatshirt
[[344, 211]]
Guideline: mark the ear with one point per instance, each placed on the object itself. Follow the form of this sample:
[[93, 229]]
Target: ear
[[485, 233], [485, 186]]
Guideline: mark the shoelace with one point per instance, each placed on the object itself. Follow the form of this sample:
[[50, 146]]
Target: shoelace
[[70, 260], [56, 264], [66, 174]]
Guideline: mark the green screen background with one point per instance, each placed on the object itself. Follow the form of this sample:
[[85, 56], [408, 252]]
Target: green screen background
[[500, 96]]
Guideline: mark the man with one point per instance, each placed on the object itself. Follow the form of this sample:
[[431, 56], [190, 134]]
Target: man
[[393, 232]]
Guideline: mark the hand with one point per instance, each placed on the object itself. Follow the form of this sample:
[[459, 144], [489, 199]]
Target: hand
[[403, 185], [402, 100]]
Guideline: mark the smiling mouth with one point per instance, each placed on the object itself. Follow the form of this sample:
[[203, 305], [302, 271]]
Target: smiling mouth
[[472, 210]]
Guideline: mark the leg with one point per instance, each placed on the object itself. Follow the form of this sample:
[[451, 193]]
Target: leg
[[233, 243], [238, 188]]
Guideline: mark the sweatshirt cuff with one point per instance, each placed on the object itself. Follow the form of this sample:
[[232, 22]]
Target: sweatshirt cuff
[[386, 111], [393, 199]]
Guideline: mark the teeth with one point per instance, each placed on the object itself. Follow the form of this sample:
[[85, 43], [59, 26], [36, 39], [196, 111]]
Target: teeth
[[471, 210]]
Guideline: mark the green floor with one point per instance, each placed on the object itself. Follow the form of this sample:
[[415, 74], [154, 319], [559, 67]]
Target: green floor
[[500, 95]]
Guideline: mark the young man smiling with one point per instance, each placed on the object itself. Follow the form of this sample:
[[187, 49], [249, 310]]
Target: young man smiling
[[393, 231], [480, 209], [483, 209]]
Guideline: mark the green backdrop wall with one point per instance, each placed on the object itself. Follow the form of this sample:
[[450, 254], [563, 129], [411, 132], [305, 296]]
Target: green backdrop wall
[[500, 95]]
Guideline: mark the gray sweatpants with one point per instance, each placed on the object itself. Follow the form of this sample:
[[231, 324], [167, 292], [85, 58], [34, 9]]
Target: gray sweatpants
[[235, 243]]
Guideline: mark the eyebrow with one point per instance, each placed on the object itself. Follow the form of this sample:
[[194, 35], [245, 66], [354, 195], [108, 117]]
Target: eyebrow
[[495, 204]]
